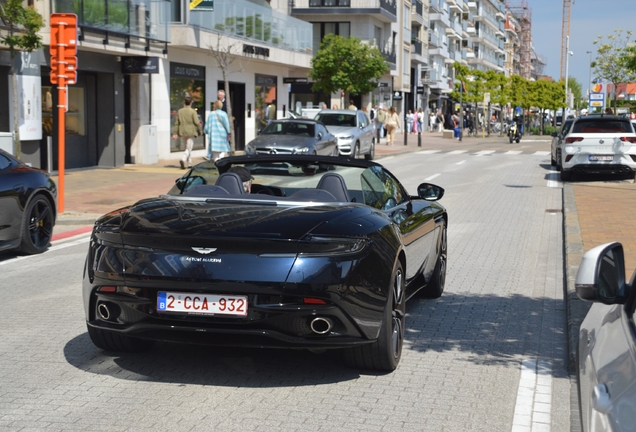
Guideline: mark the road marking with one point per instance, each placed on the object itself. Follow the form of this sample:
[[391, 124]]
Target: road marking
[[534, 397], [525, 141], [85, 238], [541, 153], [432, 177], [484, 152], [454, 152], [514, 152], [461, 162], [71, 233], [428, 152]]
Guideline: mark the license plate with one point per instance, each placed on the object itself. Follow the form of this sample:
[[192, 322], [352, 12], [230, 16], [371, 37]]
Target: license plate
[[209, 304], [601, 158]]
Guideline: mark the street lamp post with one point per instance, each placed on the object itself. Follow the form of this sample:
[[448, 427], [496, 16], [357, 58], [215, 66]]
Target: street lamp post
[[589, 82], [568, 53]]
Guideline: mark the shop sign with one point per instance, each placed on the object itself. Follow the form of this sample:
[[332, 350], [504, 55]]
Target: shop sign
[[420, 89], [256, 50], [397, 95], [290, 80], [140, 65], [27, 66], [179, 70], [201, 5]]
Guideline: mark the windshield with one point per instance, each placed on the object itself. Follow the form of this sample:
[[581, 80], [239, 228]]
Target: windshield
[[289, 128], [348, 120]]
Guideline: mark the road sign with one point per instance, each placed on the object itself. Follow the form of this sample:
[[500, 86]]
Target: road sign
[[68, 36]]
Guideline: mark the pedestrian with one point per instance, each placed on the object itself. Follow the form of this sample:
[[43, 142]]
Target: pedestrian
[[334, 106], [188, 127], [420, 119], [352, 105], [409, 122], [439, 121], [245, 175], [270, 112], [392, 123], [217, 128], [432, 121], [380, 118]]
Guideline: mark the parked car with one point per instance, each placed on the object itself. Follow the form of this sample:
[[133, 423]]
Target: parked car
[[353, 129], [27, 206], [599, 144], [295, 136], [557, 141], [607, 342], [323, 253]]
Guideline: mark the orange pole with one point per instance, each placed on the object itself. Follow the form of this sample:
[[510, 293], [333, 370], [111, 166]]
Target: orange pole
[[61, 112]]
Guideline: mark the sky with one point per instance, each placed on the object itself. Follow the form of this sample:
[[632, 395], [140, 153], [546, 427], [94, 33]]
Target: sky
[[588, 20]]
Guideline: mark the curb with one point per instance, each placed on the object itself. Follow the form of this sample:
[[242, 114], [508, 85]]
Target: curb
[[576, 308]]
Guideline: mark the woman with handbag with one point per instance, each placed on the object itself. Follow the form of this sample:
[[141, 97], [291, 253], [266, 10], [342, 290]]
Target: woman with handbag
[[392, 123], [217, 128]]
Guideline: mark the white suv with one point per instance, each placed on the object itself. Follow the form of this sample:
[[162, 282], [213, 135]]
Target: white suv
[[599, 144]]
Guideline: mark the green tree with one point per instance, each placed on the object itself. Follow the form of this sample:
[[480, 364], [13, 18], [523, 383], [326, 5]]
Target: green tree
[[575, 87], [497, 83], [346, 64], [20, 33], [612, 59]]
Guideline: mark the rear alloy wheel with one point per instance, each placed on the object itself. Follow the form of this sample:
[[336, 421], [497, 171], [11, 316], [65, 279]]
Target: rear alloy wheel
[[114, 341], [435, 286], [559, 166], [371, 154], [552, 160], [37, 226], [384, 354]]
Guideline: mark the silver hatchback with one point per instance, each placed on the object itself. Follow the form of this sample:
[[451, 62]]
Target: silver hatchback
[[607, 342], [353, 129]]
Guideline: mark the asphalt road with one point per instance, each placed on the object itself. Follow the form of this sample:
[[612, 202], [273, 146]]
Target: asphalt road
[[489, 355]]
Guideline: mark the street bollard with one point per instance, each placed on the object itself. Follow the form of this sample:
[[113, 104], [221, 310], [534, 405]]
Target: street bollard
[[419, 138]]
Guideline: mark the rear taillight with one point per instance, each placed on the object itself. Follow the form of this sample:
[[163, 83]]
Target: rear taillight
[[629, 139], [107, 289], [568, 157], [571, 140], [314, 301]]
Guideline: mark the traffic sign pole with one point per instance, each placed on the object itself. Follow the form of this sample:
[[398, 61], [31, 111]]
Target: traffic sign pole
[[63, 72]]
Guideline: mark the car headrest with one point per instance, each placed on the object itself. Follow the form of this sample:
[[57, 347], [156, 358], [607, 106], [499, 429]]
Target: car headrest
[[206, 191], [231, 182], [335, 185]]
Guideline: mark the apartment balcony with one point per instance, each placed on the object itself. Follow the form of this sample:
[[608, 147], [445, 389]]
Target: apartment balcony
[[245, 20], [389, 55], [472, 6], [454, 5], [434, 40], [416, 13], [441, 18], [384, 10], [147, 19], [419, 52], [452, 33], [435, 6]]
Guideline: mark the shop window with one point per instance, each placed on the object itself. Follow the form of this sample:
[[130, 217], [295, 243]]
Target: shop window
[[265, 97], [75, 120], [187, 80]]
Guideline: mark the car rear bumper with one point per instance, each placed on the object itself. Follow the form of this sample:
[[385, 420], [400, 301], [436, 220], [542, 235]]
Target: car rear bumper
[[620, 163]]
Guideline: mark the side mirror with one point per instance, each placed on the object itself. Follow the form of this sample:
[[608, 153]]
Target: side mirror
[[430, 192], [319, 135], [601, 275], [555, 134]]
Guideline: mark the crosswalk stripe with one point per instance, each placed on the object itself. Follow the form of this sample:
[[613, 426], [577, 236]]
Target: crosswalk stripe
[[428, 152], [485, 152], [514, 152], [541, 153], [456, 152]]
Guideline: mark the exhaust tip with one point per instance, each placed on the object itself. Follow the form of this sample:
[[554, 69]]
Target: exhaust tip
[[103, 311], [320, 325]]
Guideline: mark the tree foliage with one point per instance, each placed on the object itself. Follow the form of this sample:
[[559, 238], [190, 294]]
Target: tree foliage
[[347, 64], [612, 60], [20, 33]]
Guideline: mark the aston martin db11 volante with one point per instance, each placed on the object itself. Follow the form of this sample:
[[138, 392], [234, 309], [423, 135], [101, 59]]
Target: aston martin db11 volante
[[285, 251]]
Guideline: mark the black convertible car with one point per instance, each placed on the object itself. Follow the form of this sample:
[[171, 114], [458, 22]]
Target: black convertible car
[[27, 206], [322, 253]]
